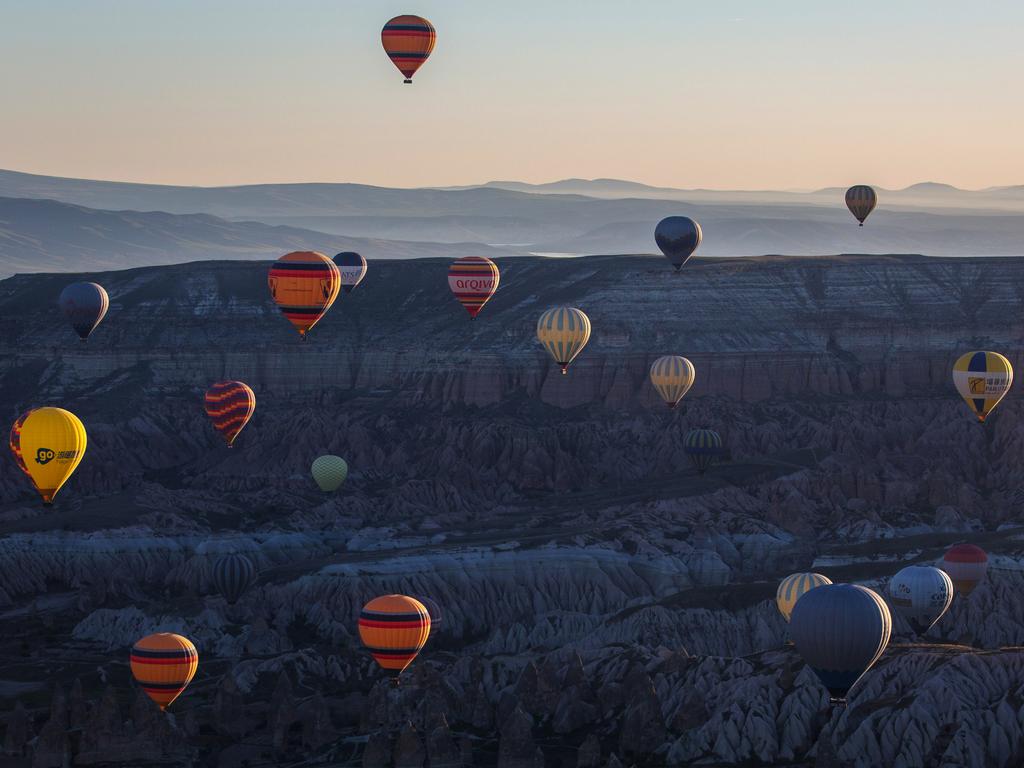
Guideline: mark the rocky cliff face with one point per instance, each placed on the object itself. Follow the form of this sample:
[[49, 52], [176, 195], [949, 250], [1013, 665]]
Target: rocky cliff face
[[602, 604]]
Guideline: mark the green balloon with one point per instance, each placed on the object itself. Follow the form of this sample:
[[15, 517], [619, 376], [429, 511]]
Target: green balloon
[[330, 472]]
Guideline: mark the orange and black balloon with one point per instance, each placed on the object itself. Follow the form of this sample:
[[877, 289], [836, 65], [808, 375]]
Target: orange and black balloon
[[394, 628], [408, 41], [304, 284], [164, 664]]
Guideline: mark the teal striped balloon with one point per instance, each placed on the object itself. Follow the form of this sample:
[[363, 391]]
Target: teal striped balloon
[[330, 472], [703, 446]]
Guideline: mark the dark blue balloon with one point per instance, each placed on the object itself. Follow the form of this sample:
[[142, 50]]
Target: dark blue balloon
[[436, 616], [84, 304], [840, 630], [678, 237], [233, 574]]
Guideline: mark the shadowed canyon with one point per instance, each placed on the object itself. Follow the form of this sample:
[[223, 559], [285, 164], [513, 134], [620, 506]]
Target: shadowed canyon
[[601, 603]]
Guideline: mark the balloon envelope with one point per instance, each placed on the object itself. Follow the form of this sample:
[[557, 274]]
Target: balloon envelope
[[966, 566], [164, 664], [434, 609], [473, 280], [921, 594], [232, 575], [48, 445], [564, 332], [861, 200], [678, 237], [703, 446], [982, 379], [672, 376], [329, 472], [230, 405], [352, 268], [304, 284], [840, 630], [408, 41], [84, 304], [394, 628], [792, 588]]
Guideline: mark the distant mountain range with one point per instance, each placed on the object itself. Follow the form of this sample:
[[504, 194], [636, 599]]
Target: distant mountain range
[[57, 224], [48, 236]]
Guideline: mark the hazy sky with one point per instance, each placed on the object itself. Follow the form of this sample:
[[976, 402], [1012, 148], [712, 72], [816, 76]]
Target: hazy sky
[[725, 94]]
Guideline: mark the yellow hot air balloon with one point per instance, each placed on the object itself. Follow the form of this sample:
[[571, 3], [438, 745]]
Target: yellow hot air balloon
[[51, 443], [982, 379], [672, 376], [792, 588], [564, 332]]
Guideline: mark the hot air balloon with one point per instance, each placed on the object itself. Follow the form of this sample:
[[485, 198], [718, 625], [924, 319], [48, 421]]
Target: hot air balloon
[[792, 588], [966, 565], [473, 280], [840, 630], [164, 664], [15, 442], [329, 472], [84, 304], [394, 628], [436, 615], [921, 594], [861, 200], [678, 237], [304, 284], [982, 379], [564, 332], [672, 376], [48, 444], [232, 575], [703, 446], [230, 405], [352, 267], [408, 41]]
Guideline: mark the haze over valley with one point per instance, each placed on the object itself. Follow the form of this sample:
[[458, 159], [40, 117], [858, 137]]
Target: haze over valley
[[54, 224]]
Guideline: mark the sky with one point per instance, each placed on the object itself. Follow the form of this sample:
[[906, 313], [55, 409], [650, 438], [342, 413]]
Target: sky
[[730, 94]]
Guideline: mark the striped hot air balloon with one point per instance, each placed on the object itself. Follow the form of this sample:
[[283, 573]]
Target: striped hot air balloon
[[703, 446], [672, 376], [394, 628], [329, 472], [232, 575], [792, 588], [921, 594], [48, 445], [473, 280], [408, 41], [841, 630], [85, 305], [304, 284], [861, 200], [352, 268], [982, 379], [230, 405], [164, 664], [564, 332], [966, 565]]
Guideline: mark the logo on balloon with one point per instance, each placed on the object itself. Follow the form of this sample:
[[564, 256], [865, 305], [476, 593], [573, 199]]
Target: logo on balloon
[[474, 284], [45, 456]]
